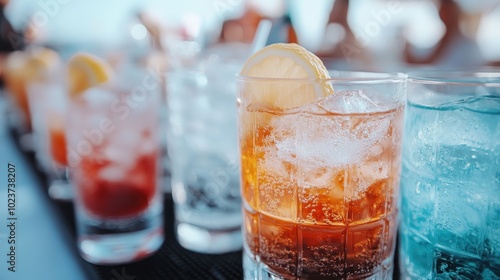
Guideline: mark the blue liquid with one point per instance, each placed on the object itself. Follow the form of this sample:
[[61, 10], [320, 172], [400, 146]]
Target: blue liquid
[[450, 227]]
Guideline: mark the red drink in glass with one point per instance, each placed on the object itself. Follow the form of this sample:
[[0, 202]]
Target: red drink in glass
[[113, 154]]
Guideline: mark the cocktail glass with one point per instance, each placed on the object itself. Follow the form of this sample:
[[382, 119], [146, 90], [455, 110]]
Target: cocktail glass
[[202, 144], [450, 227], [21, 69], [113, 153], [15, 84], [320, 182], [47, 99]]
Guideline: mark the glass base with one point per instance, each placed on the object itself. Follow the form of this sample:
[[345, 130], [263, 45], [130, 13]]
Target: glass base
[[59, 187], [209, 241], [61, 190], [121, 248], [256, 270], [121, 241]]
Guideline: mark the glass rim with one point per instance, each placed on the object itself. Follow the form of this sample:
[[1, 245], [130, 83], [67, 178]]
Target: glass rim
[[344, 77], [455, 77]]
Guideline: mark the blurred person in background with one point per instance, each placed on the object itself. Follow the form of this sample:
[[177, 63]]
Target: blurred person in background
[[339, 43], [454, 50], [243, 29]]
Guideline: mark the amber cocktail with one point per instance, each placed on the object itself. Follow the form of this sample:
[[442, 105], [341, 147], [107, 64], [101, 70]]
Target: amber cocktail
[[321, 179]]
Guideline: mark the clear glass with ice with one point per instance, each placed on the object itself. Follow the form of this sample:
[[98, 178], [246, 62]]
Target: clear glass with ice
[[320, 182], [47, 100], [113, 154], [203, 150], [450, 227]]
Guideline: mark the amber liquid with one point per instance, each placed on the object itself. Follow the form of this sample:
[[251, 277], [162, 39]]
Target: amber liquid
[[15, 85], [309, 219], [57, 142]]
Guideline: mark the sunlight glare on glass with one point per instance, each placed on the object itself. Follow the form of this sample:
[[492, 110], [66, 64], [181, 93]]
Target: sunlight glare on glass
[[310, 29], [138, 31], [424, 27], [487, 37]]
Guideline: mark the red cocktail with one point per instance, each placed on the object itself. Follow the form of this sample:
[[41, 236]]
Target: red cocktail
[[113, 155]]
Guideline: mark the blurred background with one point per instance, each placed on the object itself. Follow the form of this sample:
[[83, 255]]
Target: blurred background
[[356, 34]]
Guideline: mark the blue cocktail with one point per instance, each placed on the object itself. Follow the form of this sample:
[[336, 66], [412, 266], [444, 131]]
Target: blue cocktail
[[450, 226]]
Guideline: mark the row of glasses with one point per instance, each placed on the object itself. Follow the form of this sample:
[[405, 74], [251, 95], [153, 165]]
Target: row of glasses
[[21, 69], [107, 137], [47, 100], [320, 184], [34, 85]]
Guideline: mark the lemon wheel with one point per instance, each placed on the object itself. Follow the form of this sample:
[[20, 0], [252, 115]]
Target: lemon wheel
[[86, 71], [286, 76]]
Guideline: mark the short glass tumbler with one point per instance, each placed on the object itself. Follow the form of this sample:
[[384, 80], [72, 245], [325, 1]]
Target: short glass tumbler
[[47, 100], [320, 176], [202, 144], [113, 155], [450, 226]]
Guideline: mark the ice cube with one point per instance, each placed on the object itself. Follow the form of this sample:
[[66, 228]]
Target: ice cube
[[126, 139], [450, 266], [455, 126], [116, 154], [311, 140], [317, 177], [96, 96], [122, 148], [349, 101], [460, 217], [304, 141], [274, 162], [366, 175], [147, 145], [113, 173]]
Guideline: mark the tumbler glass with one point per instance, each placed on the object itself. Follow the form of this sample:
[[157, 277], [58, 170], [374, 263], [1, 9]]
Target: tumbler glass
[[15, 84], [47, 100], [113, 153], [202, 144], [450, 227], [320, 181]]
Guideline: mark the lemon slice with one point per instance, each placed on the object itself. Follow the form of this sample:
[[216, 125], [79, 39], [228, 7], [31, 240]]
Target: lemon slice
[[40, 63], [86, 71], [299, 76]]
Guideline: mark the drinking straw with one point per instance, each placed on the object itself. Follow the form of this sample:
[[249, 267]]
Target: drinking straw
[[261, 35]]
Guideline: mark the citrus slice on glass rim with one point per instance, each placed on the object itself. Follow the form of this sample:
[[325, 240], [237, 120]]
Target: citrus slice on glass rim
[[287, 76], [40, 63], [86, 71]]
